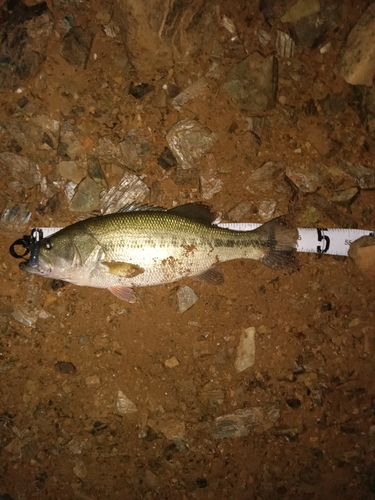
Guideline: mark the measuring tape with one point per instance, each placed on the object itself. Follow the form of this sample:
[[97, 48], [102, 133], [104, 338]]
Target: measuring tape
[[321, 240]]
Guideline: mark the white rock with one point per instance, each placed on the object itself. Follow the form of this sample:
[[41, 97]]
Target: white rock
[[189, 141], [245, 350], [199, 88], [186, 298], [130, 190], [267, 209], [356, 62], [123, 404]]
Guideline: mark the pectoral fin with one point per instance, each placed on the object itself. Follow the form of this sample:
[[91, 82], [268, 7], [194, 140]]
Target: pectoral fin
[[123, 269], [123, 292]]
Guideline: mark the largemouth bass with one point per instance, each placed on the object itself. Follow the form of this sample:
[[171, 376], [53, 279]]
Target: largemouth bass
[[146, 246]]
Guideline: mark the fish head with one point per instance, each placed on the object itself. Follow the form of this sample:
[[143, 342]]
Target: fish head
[[54, 257]]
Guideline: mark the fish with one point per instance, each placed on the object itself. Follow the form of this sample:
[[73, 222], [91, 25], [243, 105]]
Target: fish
[[143, 246]]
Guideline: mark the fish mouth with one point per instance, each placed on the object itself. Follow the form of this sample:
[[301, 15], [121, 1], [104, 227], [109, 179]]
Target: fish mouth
[[35, 269]]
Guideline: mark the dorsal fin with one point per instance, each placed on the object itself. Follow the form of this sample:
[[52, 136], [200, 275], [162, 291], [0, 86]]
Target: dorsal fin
[[197, 211]]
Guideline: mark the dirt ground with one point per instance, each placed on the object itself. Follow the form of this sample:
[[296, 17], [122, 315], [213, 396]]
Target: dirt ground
[[62, 434]]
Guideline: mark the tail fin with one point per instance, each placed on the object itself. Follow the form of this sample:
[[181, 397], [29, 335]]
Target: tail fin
[[280, 241]]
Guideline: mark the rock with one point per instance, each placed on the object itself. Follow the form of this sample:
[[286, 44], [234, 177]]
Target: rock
[[70, 189], [199, 88], [94, 169], [163, 36], [186, 298], [364, 176], [356, 61], [130, 153], [362, 252], [285, 45], [159, 100], [266, 209], [76, 45], [294, 403], [269, 171], [140, 90], [187, 178], [252, 83], [24, 35], [209, 183], [257, 124], [123, 404], [22, 102], [79, 469], [189, 141], [174, 430], [70, 170], [133, 149], [15, 217], [266, 8], [69, 147], [166, 160], [324, 206], [245, 356], [151, 479], [171, 362], [111, 29], [76, 445], [240, 211], [86, 197], [333, 104], [291, 434], [345, 197], [21, 168], [65, 367], [301, 9], [40, 132], [130, 190], [311, 31], [241, 423], [216, 398], [70, 89], [307, 179], [92, 381], [25, 316]]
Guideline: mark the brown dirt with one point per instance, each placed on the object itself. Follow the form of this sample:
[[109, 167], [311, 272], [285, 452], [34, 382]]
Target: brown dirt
[[60, 434]]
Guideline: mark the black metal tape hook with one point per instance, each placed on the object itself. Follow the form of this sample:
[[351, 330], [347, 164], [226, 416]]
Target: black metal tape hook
[[23, 242], [31, 244]]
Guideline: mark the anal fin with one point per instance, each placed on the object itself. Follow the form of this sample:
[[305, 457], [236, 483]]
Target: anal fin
[[123, 292]]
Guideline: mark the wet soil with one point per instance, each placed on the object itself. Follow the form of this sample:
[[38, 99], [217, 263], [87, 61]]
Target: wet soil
[[62, 435]]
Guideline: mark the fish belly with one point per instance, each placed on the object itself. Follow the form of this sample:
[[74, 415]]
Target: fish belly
[[164, 263]]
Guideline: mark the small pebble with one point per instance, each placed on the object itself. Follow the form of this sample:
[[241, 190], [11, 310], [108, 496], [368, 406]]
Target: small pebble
[[65, 367], [171, 362]]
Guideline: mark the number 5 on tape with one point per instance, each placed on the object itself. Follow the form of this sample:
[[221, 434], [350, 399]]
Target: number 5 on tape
[[324, 247]]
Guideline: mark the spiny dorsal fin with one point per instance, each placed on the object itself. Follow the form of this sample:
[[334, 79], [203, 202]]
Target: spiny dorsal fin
[[134, 207]]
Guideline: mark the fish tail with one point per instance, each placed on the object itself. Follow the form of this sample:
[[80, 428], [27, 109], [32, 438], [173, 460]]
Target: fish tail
[[280, 243]]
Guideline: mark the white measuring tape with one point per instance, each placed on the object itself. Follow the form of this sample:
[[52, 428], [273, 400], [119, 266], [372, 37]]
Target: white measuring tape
[[322, 240]]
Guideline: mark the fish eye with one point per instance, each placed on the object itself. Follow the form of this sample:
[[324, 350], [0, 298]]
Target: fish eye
[[47, 244]]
